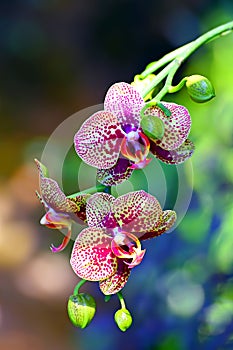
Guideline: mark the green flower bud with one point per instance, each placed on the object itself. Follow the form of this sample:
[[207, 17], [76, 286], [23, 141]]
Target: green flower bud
[[153, 127], [81, 309], [141, 84], [199, 88], [123, 319]]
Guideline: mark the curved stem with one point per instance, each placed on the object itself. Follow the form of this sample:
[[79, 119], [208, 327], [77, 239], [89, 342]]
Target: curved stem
[[178, 87], [76, 289], [121, 299], [177, 57], [91, 190]]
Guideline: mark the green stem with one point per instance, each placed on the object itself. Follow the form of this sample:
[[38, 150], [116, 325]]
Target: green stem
[[177, 87], [91, 190], [76, 289], [154, 66], [177, 57], [121, 299]]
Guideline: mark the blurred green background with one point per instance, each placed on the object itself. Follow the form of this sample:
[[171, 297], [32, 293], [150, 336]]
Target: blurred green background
[[56, 58]]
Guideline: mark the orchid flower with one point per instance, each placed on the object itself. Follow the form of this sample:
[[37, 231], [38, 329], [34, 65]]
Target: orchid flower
[[60, 210], [112, 140], [110, 247]]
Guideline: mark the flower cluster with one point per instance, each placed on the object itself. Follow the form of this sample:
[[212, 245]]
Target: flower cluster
[[133, 126], [116, 141]]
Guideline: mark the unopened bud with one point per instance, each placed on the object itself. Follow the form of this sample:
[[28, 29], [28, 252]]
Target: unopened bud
[[81, 309], [142, 83], [123, 319], [153, 127], [199, 88]]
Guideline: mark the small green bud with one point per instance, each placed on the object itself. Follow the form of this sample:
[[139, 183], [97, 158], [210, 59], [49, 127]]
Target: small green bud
[[199, 88], [81, 309], [123, 319], [153, 127], [141, 83]]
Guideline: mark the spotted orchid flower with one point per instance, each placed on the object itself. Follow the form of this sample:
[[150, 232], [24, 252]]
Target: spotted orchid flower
[[110, 247], [60, 210], [112, 140]]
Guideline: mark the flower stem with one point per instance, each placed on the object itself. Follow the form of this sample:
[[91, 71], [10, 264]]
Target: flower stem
[[176, 58], [121, 299], [76, 289], [91, 190]]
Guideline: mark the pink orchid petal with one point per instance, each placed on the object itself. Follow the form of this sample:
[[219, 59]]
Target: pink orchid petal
[[175, 156], [98, 140], [99, 209], [137, 211], [63, 245], [176, 127], [116, 282], [91, 257], [125, 102], [167, 221], [115, 175], [52, 195]]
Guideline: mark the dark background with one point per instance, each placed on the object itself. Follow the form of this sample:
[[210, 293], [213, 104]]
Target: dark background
[[57, 57]]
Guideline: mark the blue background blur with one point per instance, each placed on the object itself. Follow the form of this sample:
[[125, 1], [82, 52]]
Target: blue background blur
[[57, 57]]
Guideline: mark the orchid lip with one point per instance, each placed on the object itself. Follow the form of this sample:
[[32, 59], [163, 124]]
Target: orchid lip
[[63, 245], [134, 252], [134, 150], [56, 220]]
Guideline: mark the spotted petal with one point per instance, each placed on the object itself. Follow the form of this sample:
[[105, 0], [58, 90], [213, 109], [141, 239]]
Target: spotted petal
[[175, 156], [125, 102], [98, 140], [167, 221], [116, 282], [137, 211], [120, 172], [52, 195], [91, 257], [99, 210], [176, 127]]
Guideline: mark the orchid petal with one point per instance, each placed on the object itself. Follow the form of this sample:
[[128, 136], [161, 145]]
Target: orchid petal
[[115, 175], [98, 140], [91, 257], [176, 127], [125, 102], [167, 221], [137, 211], [52, 195], [175, 156], [99, 211], [116, 282], [63, 245]]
